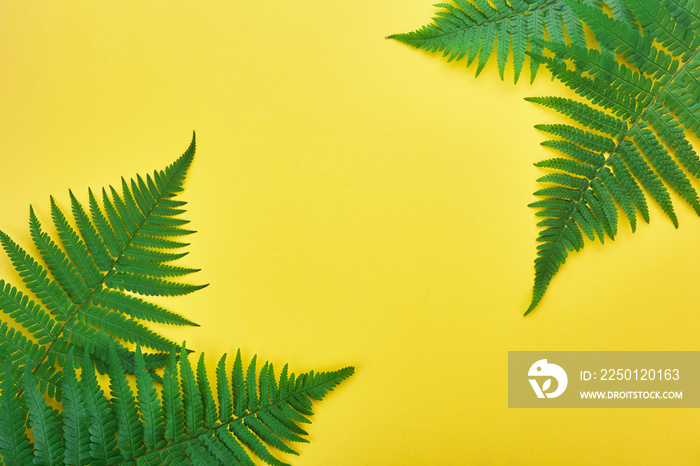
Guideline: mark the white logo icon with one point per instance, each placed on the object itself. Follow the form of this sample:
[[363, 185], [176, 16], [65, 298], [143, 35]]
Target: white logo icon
[[542, 369]]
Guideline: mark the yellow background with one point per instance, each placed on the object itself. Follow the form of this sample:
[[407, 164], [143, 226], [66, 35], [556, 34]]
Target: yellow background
[[357, 202]]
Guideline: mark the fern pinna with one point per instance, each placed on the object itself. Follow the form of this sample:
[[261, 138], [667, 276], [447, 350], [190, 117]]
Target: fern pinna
[[646, 87], [86, 294], [475, 28], [186, 425]]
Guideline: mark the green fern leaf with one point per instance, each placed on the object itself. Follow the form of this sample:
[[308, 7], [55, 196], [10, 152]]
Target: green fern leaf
[[181, 427], [646, 112], [84, 314], [467, 29], [84, 287]]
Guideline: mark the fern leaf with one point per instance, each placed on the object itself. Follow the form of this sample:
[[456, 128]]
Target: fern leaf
[[645, 112], [473, 28], [84, 286], [181, 427], [84, 313]]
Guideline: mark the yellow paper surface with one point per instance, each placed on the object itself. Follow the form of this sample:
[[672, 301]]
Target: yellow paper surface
[[357, 202]]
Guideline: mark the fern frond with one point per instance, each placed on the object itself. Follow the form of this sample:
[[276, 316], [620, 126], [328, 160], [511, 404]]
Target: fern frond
[[180, 427], [84, 286], [470, 29], [635, 143]]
